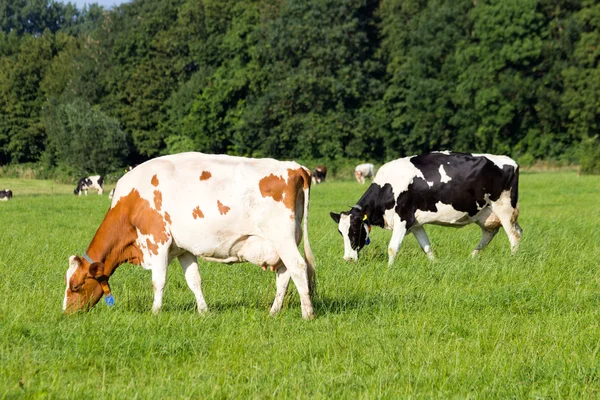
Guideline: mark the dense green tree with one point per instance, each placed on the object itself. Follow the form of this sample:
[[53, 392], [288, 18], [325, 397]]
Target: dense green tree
[[84, 139], [311, 79]]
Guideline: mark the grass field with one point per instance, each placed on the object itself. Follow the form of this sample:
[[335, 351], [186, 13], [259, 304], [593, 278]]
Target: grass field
[[498, 326]]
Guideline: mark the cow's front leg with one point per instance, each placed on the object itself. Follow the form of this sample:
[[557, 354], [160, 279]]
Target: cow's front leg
[[189, 264], [159, 278], [397, 236], [283, 280], [423, 240]]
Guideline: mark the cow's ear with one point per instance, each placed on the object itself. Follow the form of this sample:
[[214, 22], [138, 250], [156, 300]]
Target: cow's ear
[[96, 270], [74, 261], [335, 217]]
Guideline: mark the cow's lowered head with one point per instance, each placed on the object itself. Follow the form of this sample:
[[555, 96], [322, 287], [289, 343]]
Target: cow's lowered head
[[354, 228], [86, 284]]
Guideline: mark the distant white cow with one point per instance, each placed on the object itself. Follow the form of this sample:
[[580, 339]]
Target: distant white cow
[[363, 171], [89, 182]]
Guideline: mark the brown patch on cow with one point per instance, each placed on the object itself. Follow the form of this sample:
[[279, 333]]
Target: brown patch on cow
[[222, 209], [515, 215], [205, 175], [115, 239], [272, 186], [492, 222], [286, 192], [157, 199], [154, 181], [152, 247], [168, 218], [197, 213]]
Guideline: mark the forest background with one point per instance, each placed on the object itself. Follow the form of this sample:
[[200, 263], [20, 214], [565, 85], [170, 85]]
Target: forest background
[[94, 90]]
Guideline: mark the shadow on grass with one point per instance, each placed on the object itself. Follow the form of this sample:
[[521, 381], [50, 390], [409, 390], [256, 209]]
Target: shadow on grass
[[323, 305]]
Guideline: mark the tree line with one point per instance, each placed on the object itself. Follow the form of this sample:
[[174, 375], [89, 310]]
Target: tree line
[[95, 89]]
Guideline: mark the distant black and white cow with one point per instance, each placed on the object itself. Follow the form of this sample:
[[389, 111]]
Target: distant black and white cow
[[89, 182], [363, 171], [442, 188], [319, 174], [5, 194]]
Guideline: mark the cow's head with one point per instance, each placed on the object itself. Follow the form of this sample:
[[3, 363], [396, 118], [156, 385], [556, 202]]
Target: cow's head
[[354, 228], [83, 289]]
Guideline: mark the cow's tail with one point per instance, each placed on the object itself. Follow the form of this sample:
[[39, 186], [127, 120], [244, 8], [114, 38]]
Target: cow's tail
[[308, 254]]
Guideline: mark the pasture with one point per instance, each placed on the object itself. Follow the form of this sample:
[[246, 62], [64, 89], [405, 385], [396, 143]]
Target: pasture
[[497, 326]]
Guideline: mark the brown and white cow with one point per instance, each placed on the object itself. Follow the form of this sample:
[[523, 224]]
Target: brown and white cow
[[220, 208]]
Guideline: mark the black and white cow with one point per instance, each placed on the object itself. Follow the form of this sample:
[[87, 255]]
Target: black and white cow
[[319, 174], [442, 188], [5, 195], [89, 182]]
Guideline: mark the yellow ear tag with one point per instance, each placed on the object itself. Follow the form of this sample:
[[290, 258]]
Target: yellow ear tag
[[365, 217]]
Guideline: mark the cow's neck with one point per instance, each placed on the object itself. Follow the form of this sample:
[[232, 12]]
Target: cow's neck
[[114, 242], [375, 201]]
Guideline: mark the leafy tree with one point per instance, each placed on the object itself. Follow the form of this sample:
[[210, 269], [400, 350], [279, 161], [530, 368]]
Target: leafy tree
[[84, 139]]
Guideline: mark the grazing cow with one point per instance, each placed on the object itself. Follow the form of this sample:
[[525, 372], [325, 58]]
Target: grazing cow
[[89, 182], [319, 174], [220, 208], [442, 188], [363, 171], [5, 195]]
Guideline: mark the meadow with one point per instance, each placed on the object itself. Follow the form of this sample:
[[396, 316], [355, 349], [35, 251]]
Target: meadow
[[497, 326]]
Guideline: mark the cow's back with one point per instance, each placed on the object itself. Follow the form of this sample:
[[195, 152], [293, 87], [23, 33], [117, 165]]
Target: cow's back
[[212, 201], [462, 180]]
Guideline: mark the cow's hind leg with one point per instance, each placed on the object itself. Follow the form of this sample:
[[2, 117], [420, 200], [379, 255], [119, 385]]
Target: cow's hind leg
[[189, 265], [508, 218], [283, 280], [423, 240], [486, 237], [298, 270]]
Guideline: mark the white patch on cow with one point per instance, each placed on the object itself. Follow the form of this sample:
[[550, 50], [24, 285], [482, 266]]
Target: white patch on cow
[[344, 226], [258, 251], [442, 152], [500, 161], [430, 184], [148, 247], [445, 215], [445, 177], [73, 264]]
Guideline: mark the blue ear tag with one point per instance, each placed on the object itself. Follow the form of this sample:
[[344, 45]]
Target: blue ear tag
[[110, 300], [368, 241]]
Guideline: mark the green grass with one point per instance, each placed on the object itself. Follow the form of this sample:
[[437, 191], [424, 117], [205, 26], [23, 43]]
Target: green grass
[[499, 326]]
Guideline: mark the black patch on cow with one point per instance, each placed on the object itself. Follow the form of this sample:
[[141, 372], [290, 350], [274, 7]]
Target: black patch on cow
[[6, 194], [471, 178]]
